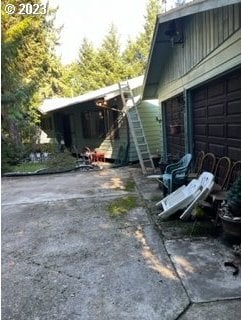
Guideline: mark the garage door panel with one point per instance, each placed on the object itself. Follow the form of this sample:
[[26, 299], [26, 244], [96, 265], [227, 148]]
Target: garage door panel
[[216, 110], [234, 119], [216, 90], [234, 153], [217, 116], [214, 120], [234, 131], [233, 84], [200, 130], [200, 113], [200, 95], [233, 107], [217, 149], [216, 130], [200, 145]]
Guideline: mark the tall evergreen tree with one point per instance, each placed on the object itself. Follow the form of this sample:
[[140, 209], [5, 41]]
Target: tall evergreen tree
[[99, 67], [96, 67], [88, 67], [30, 70], [111, 66], [137, 51]]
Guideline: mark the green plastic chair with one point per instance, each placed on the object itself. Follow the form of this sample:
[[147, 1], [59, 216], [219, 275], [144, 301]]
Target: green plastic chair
[[175, 174]]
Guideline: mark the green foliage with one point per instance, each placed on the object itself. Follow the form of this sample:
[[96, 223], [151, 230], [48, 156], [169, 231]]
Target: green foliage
[[99, 67], [234, 193], [30, 70], [199, 212], [12, 154], [137, 51], [30, 73], [28, 167], [130, 185], [61, 160]]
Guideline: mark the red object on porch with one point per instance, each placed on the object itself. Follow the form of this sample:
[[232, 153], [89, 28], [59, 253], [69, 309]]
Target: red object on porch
[[99, 156]]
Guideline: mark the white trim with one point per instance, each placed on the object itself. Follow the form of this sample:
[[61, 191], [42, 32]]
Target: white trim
[[107, 92]]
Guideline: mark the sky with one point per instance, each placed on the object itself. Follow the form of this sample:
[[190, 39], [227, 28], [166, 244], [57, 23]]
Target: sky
[[91, 19]]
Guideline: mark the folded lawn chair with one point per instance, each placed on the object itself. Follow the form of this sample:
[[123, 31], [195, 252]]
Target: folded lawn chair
[[197, 166], [179, 199], [206, 180], [187, 196]]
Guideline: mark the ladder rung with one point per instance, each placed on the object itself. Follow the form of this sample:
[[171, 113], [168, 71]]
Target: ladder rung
[[142, 144], [136, 127], [145, 155]]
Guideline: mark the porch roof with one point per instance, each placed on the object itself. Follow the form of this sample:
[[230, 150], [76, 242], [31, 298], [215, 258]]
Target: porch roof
[[160, 49], [108, 93]]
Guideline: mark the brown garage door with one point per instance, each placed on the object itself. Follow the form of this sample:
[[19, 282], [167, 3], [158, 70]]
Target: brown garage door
[[217, 116], [174, 112]]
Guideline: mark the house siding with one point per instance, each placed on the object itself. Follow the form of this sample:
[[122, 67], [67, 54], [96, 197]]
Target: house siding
[[211, 45], [148, 111]]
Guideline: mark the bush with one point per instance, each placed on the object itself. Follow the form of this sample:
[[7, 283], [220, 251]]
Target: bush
[[61, 160], [12, 154], [234, 193]]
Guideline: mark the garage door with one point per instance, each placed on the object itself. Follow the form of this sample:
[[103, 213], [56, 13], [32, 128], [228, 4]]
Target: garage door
[[217, 116], [174, 113]]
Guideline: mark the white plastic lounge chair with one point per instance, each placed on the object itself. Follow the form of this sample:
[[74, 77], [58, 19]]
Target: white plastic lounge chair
[[179, 199], [206, 180]]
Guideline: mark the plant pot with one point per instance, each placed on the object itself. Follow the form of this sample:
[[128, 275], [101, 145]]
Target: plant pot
[[231, 226], [175, 129]]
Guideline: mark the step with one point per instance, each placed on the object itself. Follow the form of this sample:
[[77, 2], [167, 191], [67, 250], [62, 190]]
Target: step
[[142, 144]]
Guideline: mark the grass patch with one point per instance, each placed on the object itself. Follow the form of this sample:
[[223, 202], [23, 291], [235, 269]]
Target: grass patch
[[57, 161], [130, 185], [178, 229], [121, 206], [28, 167]]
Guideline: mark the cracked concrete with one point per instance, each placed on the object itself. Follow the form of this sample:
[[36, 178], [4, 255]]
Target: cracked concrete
[[64, 257]]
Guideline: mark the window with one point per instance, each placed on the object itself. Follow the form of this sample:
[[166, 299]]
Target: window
[[100, 123], [46, 123]]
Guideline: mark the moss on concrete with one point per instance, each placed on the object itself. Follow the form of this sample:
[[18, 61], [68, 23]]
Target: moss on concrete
[[122, 206]]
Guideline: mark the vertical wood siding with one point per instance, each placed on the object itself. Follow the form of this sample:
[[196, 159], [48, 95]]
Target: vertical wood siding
[[203, 33]]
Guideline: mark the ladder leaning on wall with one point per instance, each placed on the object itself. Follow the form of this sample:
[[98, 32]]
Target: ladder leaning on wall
[[136, 128]]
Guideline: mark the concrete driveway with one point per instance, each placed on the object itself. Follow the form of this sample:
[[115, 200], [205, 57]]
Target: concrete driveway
[[64, 257]]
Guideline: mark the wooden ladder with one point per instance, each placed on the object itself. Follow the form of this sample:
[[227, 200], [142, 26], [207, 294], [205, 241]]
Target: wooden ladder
[[136, 128]]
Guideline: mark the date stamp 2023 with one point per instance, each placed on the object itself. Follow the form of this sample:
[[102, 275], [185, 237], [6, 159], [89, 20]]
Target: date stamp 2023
[[26, 9]]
